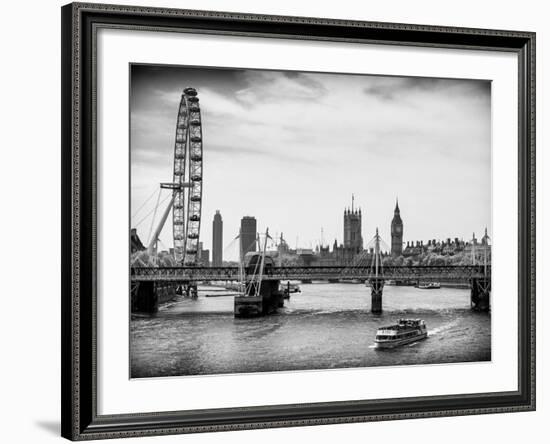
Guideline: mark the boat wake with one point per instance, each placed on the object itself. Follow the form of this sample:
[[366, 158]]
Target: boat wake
[[443, 328]]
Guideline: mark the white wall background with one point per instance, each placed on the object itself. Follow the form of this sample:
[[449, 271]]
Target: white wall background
[[30, 220]]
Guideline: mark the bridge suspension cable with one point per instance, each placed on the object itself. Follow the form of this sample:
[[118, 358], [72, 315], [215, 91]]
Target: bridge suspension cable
[[381, 242], [485, 244], [144, 218], [368, 258], [485, 241], [144, 203], [376, 265], [235, 243]]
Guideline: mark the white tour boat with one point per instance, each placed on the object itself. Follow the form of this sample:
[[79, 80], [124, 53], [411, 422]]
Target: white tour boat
[[404, 332]]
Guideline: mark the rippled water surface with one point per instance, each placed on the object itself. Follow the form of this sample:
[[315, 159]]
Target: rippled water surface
[[325, 326]]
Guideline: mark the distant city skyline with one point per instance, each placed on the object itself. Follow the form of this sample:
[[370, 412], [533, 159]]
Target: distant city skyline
[[291, 148]]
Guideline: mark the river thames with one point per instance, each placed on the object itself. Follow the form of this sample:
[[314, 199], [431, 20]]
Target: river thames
[[325, 326]]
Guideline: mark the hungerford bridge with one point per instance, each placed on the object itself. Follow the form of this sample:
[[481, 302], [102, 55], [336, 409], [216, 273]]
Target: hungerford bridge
[[153, 285], [161, 279]]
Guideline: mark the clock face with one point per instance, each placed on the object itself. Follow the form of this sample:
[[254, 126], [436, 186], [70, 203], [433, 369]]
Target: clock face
[[398, 229]]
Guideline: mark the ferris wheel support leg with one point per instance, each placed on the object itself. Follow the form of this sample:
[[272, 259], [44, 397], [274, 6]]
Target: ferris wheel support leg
[[151, 249]]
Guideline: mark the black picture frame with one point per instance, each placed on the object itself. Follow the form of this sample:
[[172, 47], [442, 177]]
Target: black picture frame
[[79, 172]]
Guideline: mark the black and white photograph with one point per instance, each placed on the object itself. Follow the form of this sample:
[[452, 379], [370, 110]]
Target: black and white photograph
[[285, 220], [275, 222]]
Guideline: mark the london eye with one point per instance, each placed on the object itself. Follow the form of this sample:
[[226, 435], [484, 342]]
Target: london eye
[[186, 185]]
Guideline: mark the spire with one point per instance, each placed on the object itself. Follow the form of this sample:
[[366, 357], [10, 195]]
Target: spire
[[396, 221], [486, 238], [352, 201]]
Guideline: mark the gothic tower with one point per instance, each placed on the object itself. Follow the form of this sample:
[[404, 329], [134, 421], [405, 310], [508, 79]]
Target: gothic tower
[[396, 232], [353, 240]]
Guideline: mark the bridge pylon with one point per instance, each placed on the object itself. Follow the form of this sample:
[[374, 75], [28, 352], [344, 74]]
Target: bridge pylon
[[376, 280], [480, 291], [376, 288], [480, 287]]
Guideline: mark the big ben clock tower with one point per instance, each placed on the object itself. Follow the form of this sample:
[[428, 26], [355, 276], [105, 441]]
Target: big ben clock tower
[[396, 232]]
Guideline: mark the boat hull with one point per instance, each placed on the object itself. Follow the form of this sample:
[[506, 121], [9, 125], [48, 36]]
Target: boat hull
[[248, 306], [431, 286], [399, 342]]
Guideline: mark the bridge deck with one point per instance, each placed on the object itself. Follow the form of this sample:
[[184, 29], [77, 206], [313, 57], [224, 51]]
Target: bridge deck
[[189, 274]]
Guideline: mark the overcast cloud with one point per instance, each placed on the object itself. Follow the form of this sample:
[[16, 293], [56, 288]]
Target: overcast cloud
[[290, 148]]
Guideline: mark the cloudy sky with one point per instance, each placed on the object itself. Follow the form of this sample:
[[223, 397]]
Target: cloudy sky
[[290, 148]]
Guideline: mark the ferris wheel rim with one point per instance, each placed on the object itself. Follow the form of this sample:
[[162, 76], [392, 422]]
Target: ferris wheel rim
[[187, 174]]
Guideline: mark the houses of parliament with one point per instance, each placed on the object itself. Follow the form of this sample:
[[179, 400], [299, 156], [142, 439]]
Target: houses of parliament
[[353, 246], [353, 239], [352, 250]]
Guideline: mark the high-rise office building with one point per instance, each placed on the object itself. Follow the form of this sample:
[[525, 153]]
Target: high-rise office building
[[248, 234], [217, 240], [203, 256]]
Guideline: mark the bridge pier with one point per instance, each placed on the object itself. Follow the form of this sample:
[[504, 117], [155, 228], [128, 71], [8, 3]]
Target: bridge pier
[[480, 294], [152, 286], [376, 288], [147, 296], [269, 299]]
